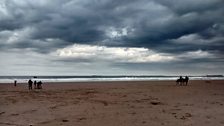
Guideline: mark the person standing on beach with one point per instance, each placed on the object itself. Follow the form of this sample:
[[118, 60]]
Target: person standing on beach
[[15, 82], [181, 80], [35, 84], [30, 84], [186, 79]]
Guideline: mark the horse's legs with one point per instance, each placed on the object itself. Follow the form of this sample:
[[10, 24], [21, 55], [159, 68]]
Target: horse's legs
[[183, 82], [177, 82]]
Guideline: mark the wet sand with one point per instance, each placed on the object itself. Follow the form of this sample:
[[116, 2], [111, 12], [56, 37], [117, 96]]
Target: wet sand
[[136, 103]]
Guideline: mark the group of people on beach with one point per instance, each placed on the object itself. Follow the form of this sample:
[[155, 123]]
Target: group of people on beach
[[37, 85], [182, 81]]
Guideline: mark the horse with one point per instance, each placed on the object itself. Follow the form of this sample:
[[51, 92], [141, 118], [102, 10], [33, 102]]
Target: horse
[[182, 81]]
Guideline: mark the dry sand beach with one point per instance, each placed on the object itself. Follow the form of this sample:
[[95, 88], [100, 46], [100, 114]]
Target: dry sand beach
[[135, 103]]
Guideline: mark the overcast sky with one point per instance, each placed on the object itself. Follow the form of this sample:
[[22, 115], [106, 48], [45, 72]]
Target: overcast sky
[[111, 37]]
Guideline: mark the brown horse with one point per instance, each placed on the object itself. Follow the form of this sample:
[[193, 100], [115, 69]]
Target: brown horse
[[182, 81]]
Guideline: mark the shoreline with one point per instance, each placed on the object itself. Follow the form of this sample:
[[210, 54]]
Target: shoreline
[[61, 79], [117, 81]]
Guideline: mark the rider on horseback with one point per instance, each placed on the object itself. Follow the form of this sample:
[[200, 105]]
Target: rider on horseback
[[182, 80]]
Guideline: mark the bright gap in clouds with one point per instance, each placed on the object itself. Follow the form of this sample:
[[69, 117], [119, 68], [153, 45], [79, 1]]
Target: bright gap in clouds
[[114, 54]]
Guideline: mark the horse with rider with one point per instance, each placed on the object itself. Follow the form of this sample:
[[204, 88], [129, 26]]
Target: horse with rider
[[182, 81]]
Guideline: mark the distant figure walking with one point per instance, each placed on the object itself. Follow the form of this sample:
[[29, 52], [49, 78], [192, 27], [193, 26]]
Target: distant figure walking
[[30, 82], [35, 84], [186, 80], [39, 85], [15, 83]]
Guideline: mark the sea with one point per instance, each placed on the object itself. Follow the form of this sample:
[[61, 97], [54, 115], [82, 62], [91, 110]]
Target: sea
[[94, 78]]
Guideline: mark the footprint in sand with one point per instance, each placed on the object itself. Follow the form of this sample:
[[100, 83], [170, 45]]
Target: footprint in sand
[[105, 103], [132, 113], [14, 114], [156, 102], [143, 122], [81, 119], [216, 103], [29, 111], [65, 120], [2, 113], [186, 116], [222, 122]]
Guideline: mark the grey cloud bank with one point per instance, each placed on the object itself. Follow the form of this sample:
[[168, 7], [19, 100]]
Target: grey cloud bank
[[138, 36]]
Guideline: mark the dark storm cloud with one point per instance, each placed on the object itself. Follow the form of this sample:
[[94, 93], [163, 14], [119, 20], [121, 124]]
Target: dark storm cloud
[[152, 24], [188, 6]]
